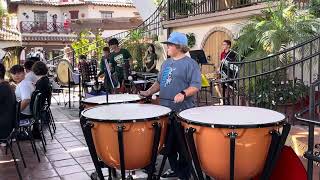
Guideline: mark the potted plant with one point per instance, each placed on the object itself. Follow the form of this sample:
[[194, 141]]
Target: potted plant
[[289, 96], [274, 92]]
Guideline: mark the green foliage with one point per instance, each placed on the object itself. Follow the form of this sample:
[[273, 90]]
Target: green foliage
[[272, 90], [315, 8], [3, 10], [82, 45], [157, 2], [87, 43], [100, 44], [191, 40], [277, 28], [135, 45]]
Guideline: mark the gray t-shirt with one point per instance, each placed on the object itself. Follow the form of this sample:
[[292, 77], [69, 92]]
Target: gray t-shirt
[[176, 76]]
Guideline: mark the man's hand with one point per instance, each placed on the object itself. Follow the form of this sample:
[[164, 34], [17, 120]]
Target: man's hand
[[179, 98], [144, 93]]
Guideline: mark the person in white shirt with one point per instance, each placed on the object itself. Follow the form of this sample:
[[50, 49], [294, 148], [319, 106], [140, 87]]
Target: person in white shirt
[[23, 90], [30, 76], [32, 53]]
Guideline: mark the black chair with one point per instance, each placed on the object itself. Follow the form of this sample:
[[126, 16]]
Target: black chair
[[48, 113], [36, 106], [8, 139], [25, 126]]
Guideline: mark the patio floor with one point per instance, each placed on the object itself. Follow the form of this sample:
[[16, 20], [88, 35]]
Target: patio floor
[[68, 158]]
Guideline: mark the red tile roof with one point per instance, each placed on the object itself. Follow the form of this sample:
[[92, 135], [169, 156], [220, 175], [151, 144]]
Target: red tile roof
[[97, 3]]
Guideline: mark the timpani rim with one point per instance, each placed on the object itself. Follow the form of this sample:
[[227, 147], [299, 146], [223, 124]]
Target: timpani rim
[[124, 121], [105, 103], [234, 126]]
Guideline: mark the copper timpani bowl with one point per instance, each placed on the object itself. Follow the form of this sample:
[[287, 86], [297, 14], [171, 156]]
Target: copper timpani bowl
[[138, 133], [214, 123]]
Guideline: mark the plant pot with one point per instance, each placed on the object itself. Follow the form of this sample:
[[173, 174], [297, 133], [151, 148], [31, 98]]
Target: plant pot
[[291, 109]]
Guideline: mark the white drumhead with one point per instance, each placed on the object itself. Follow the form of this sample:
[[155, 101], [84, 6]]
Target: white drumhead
[[113, 99], [125, 112], [231, 115]]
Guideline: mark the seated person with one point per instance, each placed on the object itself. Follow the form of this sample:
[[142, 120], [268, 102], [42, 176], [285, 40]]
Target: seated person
[[23, 90], [43, 84], [30, 76], [7, 105]]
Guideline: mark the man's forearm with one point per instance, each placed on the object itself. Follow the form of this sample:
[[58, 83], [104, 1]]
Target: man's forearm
[[24, 104], [154, 88], [190, 91]]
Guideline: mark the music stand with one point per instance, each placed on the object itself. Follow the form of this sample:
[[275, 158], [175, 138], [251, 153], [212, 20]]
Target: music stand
[[199, 56]]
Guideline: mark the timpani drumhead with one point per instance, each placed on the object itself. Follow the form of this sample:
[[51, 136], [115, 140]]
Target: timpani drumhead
[[62, 71], [113, 99], [126, 112], [237, 116]]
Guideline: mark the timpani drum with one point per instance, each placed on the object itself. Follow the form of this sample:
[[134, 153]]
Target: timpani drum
[[137, 124], [112, 99], [212, 126]]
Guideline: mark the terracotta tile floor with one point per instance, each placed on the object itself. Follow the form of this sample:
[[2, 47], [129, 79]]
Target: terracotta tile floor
[[68, 158]]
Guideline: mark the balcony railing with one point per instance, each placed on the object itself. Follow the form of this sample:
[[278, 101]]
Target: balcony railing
[[44, 27], [178, 9], [7, 34]]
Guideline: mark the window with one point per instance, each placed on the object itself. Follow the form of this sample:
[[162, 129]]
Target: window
[[40, 16], [106, 14], [40, 20], [136, 13], [74, 14]]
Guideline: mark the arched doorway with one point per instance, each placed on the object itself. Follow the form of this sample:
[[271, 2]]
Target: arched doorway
[[212, 47]]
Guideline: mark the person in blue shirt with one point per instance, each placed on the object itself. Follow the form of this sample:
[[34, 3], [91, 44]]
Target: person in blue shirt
[[178, 82]]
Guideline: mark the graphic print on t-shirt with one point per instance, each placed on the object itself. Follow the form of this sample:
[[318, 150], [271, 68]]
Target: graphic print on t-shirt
[[119, 60], [167, 76]]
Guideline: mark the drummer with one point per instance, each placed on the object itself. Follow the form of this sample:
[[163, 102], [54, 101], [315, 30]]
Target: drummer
[[109, 85], [178, 82]]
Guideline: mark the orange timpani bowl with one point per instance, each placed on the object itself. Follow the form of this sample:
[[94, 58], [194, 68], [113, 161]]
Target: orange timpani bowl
[[112, 99], [214, 123], [138, 135]]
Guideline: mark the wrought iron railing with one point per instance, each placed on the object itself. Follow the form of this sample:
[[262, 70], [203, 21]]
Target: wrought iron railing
[[178, 9], [279, 81], [44, 27], [310, 116]]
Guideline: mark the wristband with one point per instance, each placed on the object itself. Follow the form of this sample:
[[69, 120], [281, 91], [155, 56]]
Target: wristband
[[184, 94]]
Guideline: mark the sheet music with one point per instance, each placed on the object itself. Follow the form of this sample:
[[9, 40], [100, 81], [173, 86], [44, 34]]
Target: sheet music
[[109, 72]]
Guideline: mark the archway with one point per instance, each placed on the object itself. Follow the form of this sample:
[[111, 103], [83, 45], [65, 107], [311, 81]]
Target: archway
[[212, 47]]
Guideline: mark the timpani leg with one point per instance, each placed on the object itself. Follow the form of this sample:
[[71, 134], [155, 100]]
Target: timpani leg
[[193, 151], [121, 151], [156, 141], [86, 128]]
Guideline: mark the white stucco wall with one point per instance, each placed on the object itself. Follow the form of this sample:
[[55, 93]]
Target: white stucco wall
[[29, 11], [108, 33], [203, 30], [94, 11], [145, 7], [89, 11]]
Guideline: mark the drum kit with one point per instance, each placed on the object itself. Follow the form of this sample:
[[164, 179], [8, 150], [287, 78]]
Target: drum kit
[[223, 142]]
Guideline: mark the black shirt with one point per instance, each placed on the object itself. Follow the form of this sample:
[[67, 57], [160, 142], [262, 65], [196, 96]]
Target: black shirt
[[231, 56], [7, 109], [44, 86]]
